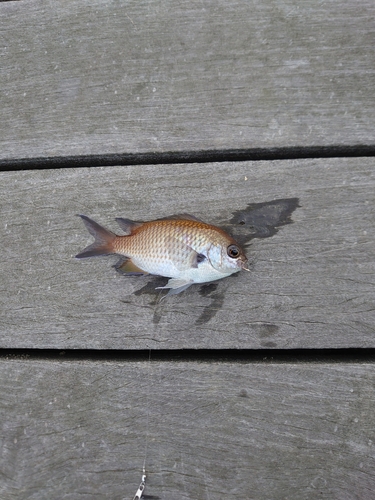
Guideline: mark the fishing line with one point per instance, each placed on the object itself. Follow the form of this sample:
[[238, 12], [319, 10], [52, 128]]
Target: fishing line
[[139, 493]]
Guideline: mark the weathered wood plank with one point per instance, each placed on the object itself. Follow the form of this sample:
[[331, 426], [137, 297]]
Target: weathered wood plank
[[312, 284], [216, 430], [108, 77]]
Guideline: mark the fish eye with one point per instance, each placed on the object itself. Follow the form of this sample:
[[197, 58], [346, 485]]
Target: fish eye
[[233, 251]]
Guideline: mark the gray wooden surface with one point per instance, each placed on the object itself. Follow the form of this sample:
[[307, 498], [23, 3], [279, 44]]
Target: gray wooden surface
[[216, 431], [89, 77], [95, 77], [312, 284]]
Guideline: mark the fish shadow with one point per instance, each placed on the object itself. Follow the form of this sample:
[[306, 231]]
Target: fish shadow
[[261, 220], [257, 220], [217, 299]]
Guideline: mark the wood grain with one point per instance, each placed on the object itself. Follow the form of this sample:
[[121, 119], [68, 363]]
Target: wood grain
[[312, 284], [94, 77], [217, 430]]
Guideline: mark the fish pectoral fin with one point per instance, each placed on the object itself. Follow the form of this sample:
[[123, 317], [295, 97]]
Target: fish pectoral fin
[[129, 268], [193, 260], [197, 259], [176, 285]]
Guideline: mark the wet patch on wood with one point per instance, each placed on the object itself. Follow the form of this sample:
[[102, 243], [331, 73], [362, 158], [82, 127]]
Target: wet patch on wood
[[261, 220], [257, 220]]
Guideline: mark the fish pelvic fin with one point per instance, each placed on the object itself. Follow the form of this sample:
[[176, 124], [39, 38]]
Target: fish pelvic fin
[[176, 286], [104, 239]]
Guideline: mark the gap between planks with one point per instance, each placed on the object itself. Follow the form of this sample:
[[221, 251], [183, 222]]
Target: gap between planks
[[350, 355], [203, 156]]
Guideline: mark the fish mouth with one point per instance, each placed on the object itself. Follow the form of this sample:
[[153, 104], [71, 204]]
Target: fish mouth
[[243, 265]]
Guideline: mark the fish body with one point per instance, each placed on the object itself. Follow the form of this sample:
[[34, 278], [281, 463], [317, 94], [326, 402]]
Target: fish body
[[181, 247]]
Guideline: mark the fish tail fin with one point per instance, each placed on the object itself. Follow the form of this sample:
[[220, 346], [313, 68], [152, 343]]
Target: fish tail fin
[[104, 239]]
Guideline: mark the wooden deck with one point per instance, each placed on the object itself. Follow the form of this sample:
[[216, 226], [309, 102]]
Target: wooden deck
[[260, 386]]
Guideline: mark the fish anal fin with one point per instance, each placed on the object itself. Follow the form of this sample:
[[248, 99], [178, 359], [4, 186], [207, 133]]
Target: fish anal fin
[[129, 268]]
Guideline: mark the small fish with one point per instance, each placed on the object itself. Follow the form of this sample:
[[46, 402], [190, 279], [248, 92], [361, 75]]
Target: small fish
[[180, 247]]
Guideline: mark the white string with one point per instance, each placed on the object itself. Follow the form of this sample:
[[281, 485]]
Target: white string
[[141, 487], [139, 493]]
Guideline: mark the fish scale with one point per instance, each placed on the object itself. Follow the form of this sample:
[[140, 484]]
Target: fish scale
[[162, 240]]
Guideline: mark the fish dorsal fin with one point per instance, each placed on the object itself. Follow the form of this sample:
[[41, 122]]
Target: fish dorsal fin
[[128, 225], [181, 217]]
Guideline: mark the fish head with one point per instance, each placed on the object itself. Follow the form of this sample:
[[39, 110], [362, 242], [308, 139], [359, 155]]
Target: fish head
[[227, 257]]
